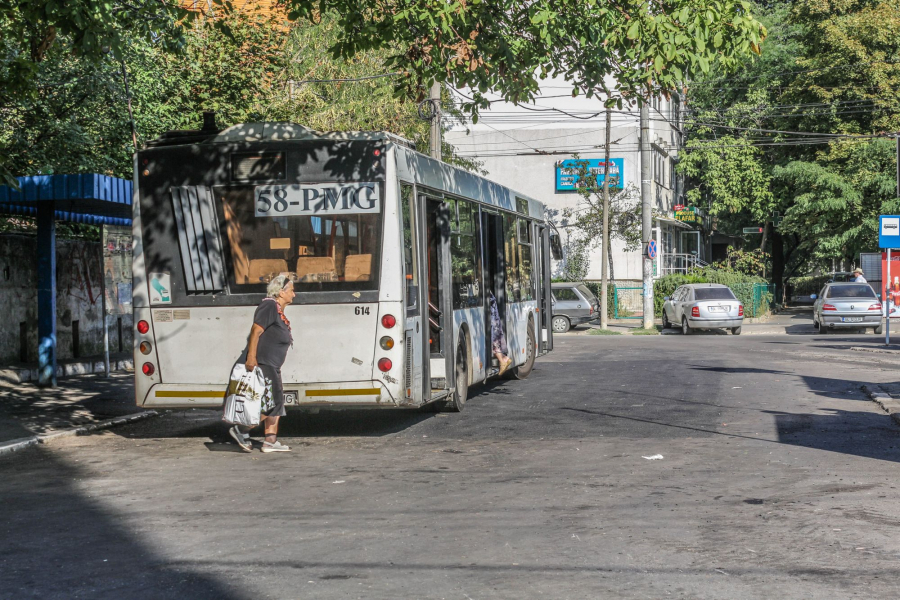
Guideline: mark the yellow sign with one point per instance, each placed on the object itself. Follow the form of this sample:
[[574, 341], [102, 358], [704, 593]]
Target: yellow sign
[[688, 215]]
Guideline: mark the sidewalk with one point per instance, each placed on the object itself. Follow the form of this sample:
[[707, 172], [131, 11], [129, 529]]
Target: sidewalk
[[20, 372], [788, 321], [30, 415]]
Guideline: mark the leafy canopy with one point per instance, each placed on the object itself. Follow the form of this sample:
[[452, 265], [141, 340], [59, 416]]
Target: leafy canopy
[[508, 46]]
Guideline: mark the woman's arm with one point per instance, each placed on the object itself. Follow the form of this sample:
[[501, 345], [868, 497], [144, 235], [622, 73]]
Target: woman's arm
[[255, 332]]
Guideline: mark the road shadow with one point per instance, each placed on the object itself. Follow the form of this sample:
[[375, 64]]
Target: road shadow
[[59, 543]]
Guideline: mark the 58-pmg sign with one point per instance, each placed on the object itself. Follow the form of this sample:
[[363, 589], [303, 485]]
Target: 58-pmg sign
[[314, 199]]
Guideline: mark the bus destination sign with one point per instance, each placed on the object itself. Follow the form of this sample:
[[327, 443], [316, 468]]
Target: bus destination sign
[[315, 199]]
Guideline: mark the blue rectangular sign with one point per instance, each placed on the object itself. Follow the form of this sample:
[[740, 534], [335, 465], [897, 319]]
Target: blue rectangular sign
[[889, 231], [567, 172]]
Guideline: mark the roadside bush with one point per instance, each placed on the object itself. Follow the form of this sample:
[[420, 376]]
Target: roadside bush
[[742, 285], [804, 286]]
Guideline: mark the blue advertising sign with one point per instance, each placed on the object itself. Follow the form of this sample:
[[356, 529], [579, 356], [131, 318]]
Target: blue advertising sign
[[889, 231], [567, 172]]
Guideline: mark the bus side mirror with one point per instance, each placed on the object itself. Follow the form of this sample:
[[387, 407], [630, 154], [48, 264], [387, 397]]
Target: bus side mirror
[[555, 247]]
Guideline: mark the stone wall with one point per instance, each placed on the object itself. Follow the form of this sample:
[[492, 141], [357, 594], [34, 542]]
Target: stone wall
[[78, 302]]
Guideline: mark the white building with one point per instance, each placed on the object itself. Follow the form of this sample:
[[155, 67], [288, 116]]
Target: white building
[[521, 147]]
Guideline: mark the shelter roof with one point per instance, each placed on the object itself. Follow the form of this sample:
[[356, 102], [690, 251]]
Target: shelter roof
[[88, 198]]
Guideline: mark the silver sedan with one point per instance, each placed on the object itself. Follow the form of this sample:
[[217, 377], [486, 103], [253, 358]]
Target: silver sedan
[[846, 306], [703, 306]]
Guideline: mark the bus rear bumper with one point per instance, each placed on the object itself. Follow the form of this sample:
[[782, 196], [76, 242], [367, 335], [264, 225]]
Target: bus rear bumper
[[352, 393]]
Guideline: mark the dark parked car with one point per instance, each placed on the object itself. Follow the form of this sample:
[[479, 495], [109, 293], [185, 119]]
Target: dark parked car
[[573, 304]]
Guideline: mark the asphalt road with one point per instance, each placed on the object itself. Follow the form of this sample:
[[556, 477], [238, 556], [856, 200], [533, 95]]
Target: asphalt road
[[778, 478]]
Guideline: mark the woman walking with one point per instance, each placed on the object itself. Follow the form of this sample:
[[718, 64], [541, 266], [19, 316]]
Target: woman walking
[[270, 338]]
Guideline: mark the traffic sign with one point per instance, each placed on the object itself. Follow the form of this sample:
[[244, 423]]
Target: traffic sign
[[651, 249], [889, 231], [753, 229]]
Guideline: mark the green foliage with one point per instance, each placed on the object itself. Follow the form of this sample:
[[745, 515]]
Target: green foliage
[[239, 65], [598, 331], [745, 287], [508, 46], [807, 285], [749, 262], [827, 68]]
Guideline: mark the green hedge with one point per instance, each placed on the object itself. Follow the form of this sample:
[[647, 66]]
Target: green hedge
[[804, 286], [755, 293]]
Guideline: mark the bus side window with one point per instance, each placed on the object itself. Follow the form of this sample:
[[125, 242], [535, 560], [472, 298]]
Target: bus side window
[[410, 264], [525, 269], [464, 264]]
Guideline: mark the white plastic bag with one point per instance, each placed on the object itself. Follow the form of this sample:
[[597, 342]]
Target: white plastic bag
[[243, 401]]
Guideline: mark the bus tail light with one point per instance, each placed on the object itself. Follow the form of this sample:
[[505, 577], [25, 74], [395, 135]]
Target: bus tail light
[[385, 364], [387, 342], [148, 369], [388, 321], [695, 312], [143, 326], [146, 347]]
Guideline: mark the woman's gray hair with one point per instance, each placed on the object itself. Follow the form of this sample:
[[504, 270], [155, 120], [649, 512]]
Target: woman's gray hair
[[278, 283]]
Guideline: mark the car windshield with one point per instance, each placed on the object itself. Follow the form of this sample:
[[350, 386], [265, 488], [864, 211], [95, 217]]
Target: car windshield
[[851, 291], [713, 294]]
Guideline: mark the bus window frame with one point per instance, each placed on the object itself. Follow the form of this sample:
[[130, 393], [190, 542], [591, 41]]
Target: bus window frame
[[303, 296]]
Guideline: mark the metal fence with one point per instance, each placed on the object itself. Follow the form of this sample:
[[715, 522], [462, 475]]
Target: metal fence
[[758, 298]]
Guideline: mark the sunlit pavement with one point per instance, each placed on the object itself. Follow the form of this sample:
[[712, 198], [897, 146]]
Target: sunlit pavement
[[777, 478]]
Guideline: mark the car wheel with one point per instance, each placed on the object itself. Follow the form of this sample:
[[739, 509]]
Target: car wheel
[[560, 324], [735, 331], [685, 328], [666, 323], [879, 330]]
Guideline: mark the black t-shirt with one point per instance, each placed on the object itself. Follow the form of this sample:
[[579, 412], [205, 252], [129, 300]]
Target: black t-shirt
[[276, 337]]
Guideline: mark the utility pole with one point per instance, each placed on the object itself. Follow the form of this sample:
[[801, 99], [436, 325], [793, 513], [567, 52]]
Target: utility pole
[[646, 216], [604, 269], [130, 114], [435, 99]]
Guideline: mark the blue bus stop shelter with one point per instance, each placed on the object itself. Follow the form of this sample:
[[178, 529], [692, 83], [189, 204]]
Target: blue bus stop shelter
[[93, 199]]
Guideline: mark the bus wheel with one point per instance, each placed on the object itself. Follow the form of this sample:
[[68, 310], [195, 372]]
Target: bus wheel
[[458, 400], [524, 370]]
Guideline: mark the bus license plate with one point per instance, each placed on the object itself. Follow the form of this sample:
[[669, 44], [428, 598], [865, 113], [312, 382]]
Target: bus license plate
[[291, 397], [851, 319]]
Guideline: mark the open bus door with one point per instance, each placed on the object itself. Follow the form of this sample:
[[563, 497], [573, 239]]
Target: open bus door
[[542, 263], [494, 262], [438, 307]]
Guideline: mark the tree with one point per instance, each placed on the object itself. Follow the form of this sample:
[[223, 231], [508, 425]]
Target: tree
[[585, 220], [87, 31], [508, 46], [830, 69]]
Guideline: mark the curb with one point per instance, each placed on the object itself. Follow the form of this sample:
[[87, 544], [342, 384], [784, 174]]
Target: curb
[[875, 350], [884, 400], [45, 438]]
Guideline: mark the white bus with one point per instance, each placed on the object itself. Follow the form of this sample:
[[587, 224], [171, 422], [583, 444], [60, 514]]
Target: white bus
[[392, 253]]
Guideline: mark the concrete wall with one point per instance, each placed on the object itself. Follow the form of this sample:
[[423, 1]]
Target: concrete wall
[[78, 285]]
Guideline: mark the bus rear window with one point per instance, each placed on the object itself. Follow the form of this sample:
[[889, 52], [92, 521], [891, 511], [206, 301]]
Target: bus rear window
[[328, 252]]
